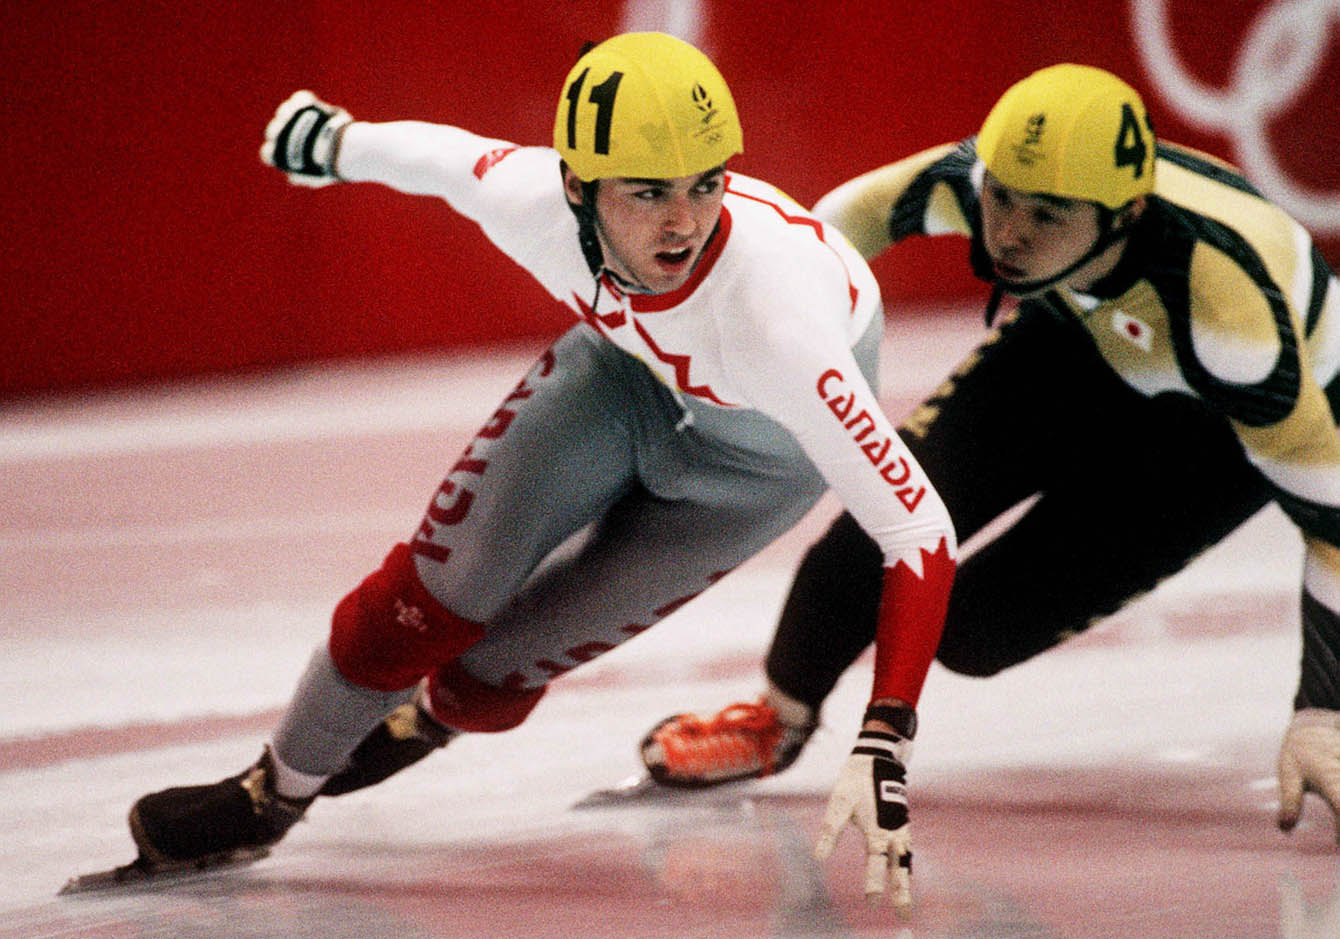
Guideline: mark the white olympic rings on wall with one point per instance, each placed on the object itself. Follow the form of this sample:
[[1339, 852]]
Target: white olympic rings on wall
[[1284, 49]]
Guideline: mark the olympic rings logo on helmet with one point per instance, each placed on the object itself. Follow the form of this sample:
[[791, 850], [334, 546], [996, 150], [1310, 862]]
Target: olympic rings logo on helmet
[[646, 106], [1073, 131]]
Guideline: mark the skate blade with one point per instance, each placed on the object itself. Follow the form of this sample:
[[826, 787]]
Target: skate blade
[[642, 789], [142, 872], [630, 790]]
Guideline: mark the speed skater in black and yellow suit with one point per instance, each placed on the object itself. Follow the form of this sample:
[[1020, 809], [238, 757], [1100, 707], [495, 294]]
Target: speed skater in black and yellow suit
[[1170, 369]]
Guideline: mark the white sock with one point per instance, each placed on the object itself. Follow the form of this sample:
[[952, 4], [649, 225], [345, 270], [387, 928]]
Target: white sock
[[292, 784], [790, 712]]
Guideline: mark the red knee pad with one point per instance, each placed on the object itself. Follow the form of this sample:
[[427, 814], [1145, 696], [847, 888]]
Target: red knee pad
[[466, 703], [390, 632]]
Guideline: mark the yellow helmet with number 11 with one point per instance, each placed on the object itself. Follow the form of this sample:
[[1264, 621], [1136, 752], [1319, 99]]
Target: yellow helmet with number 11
[[647, 106], [1073, 131]]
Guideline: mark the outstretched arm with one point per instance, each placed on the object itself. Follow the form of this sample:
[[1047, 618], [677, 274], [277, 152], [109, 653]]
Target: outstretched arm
[[513, 193], [834, 413], [923, 193]]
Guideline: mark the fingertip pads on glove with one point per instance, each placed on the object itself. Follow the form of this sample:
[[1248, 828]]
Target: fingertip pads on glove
[[871, 793]]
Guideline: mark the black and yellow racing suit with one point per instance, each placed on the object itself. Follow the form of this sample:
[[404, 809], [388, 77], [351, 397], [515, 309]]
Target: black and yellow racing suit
[[1147, 419]]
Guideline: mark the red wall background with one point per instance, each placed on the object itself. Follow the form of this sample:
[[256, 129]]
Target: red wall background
[[145, 241]]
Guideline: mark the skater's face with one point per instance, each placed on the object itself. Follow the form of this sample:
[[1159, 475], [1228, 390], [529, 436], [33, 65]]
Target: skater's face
[[653, 231], [1032, 236]]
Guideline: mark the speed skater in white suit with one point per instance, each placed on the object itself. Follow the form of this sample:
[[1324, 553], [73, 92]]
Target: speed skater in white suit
[[718, 381]]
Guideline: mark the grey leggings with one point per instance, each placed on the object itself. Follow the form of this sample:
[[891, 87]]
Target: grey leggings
[[606, 502], [592, 503]]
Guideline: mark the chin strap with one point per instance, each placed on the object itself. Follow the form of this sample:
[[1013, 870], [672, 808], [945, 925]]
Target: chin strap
[[586, 228], [587, 238], [981, 263], [993, 303]]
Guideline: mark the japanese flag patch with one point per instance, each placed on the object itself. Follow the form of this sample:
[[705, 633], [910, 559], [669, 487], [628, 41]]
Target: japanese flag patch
[[1133, 330]]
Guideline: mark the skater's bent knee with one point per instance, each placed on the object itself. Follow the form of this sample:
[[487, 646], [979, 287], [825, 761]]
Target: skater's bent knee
[[461, 701], [972, 662], [389, 631]]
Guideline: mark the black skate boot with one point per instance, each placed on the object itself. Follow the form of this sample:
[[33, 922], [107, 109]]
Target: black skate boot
[[406, 736], [208, 825]]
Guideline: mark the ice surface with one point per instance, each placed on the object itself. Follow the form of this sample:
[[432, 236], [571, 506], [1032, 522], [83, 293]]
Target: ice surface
[[169, 558]]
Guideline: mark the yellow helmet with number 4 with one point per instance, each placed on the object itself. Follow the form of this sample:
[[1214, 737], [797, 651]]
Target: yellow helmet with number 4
[[648, 106], [1073, 131]]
